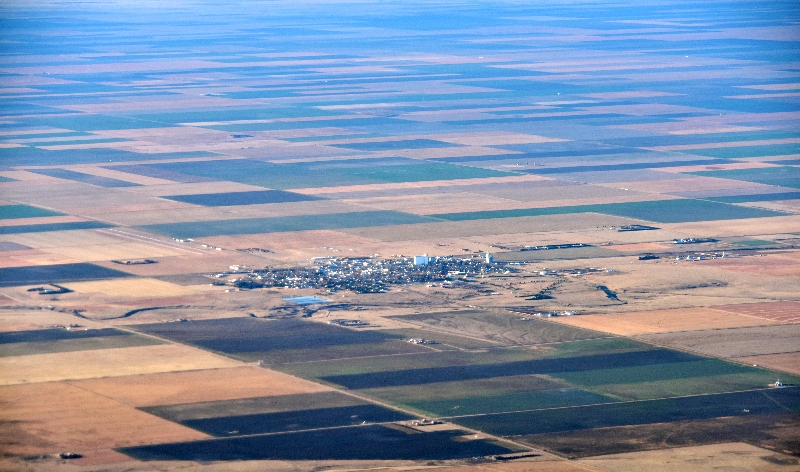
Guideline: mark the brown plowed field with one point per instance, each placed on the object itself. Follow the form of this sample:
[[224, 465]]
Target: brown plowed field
[[777, 265], [661, 321], [786, 362], [198, 386], [733, 342], [782, 312], [56, 417]]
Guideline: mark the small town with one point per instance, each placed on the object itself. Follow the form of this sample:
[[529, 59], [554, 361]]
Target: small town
[[370, 275]]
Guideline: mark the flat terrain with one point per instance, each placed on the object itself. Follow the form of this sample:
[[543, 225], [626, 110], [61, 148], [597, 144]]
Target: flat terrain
[[81, 420], [197, 386], [609, 195], [662, 321], [734, 342], [711, 457], [107, 362]]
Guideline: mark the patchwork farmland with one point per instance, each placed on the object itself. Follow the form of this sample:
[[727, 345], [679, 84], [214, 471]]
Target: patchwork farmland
[[491, 236]]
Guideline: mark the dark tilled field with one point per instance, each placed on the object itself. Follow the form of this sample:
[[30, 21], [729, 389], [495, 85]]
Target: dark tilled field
[[776, 431], [58, 273], [281, 341], [353, 443]]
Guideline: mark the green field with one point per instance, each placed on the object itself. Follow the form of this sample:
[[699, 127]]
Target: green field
[[662, 211], [53, 227], [286, 223], [8, 212]]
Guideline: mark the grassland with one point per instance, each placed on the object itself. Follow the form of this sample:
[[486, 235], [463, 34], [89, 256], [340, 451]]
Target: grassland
[[498, 327]]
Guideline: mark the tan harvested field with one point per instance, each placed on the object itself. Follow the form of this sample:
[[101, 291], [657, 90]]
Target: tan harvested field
[[462, 229], [53, 417], [725, 144], [198, 213], [493, 138], [661, 321], [198, 386], [686, 184], [787, 362], [108, 363], [714, 457], [782, 312], [73, 197], [543, 464], [110, 252], [744, 227], [52, 239], [132, 288], [439, 203], [19, 319], [701, 168], [289, 240], [733, 342], [40, 221], [466, 202], [641, 247]]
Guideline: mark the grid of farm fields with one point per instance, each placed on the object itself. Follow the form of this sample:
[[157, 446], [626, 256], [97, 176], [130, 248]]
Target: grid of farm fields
[[461, 236]]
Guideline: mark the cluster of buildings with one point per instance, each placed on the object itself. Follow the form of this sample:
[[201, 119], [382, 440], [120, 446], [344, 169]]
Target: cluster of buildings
[[369, 275]]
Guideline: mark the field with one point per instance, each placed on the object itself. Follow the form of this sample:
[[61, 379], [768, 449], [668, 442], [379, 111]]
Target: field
[[353, 443], [106, 362], [284, 224], [135, 288], [32, 275], [276, 414], [734, 342], [160, 178], [47, 341], [280, 341], [242, 198], [81, 420], [503, 328], [635, 413], [207, 385], [662, 211], [734, 454], [24, 211], [662, 321]]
